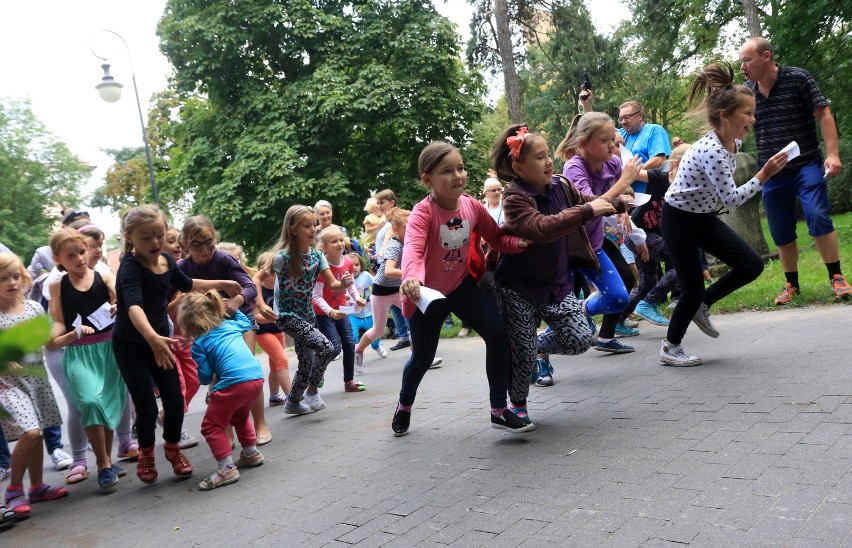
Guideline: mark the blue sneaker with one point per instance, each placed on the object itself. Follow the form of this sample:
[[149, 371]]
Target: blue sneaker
[[107, 478], [118, 471], [614, 347], [534, 373], [649, 311], [545, 373], [623, 331]]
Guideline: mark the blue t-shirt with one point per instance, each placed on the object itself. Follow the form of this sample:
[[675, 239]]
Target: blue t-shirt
[[652, 140], [223, 352]]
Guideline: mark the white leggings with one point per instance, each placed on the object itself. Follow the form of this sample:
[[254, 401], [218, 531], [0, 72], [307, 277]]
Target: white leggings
[[381, 305]]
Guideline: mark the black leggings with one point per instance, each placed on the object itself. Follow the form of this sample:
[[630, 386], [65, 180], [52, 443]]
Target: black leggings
[[686, 232], [138, 368]]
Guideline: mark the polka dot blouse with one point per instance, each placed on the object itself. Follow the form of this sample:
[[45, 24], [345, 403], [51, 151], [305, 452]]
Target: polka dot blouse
[[706, 178]]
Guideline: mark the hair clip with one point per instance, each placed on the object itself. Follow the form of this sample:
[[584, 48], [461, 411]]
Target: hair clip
[[516, 141]]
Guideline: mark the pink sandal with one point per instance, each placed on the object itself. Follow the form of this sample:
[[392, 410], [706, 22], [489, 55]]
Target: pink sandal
[[45, 493], [77, 473], [128, 450]]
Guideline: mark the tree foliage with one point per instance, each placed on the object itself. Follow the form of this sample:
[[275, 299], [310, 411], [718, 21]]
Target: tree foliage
[[127, 183], [287, 102], [37, 173]]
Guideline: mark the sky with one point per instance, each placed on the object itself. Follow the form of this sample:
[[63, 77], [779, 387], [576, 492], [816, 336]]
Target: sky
[[48, 58]]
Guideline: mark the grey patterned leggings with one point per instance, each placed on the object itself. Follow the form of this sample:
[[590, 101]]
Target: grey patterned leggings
[[569, 335], [313, 350]]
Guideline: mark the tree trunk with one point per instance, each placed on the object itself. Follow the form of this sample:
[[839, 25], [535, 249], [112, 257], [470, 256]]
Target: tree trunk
[[745, 220], [507, 59], [752, 19]]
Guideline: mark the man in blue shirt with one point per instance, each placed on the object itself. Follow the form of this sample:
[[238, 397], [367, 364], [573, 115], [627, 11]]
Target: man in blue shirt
[[650, 141], [788, 105]]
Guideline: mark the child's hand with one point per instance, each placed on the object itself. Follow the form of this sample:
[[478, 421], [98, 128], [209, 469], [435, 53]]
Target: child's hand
[[410, 288], [631, 169], [600, 207], [523, 244], [87, 330], [643, 252], [360, 303], [232, 305], [231, 287], [624, 223], [162, 351], [267, 312], [336, 315], [346, 279]]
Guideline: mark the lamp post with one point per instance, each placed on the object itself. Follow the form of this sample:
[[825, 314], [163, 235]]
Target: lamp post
[[110, 91]]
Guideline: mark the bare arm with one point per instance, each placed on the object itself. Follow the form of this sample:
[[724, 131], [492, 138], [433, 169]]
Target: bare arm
[[655, 162], [829, 136]]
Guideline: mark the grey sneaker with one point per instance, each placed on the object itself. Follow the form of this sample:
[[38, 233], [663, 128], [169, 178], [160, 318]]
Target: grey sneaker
[[61, 459], [674, 354], [382, 351], [314, 401], [296, 408], [359, 363], [702, 320], [187, 441]]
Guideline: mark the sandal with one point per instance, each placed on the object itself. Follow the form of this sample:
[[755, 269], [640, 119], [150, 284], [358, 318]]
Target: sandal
[[78, 472], [7, 517], [17, 501], [354, 386], [45, 493], [128, 450], [262, 440], [219, 478], [276, 399]]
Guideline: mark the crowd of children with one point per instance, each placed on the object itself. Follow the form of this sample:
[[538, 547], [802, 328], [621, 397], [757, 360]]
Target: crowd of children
[[181, 312]]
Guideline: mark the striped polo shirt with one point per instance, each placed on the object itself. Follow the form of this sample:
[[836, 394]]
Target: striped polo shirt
[[788, 115]]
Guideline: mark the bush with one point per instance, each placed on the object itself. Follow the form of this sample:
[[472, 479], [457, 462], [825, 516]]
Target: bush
[[840, 187]]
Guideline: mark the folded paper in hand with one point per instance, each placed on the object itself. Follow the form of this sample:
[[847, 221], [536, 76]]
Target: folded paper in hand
[[641, 198], [427, 295], [625, 155], [792, 150]]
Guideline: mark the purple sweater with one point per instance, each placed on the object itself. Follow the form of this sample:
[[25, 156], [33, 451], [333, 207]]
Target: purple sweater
[[588, 182], [223, 267]]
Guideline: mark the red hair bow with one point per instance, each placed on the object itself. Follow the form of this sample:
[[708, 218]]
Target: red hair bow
[[516, 141]]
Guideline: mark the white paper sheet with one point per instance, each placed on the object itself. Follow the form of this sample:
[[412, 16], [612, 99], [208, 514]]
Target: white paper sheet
[[427, 295], [625, 155], [792, 150], [348, 309], [78, 326], [641, 198], [101, 318]]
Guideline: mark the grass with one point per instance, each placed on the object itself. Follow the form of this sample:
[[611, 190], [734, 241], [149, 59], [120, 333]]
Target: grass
[[813, 277]]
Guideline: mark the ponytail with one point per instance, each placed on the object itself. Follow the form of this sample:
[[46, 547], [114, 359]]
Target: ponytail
[[722, 95]]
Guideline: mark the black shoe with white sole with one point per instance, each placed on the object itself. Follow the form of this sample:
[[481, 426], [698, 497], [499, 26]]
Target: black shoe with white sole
[[510, 422]]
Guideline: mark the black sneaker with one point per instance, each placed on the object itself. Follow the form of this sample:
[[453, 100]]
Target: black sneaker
[[400, 344], [401, 420], [510, 422]]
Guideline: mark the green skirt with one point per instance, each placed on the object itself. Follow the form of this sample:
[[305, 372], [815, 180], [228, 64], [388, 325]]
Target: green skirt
[[95, 386]]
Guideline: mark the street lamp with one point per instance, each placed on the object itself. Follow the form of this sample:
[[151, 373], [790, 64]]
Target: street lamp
[[110, 91]]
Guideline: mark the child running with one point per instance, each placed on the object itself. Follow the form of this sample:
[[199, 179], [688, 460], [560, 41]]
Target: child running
[[140, 334], [298, 265], [362, 320], [442, 252], [82, 305], [270, 338], [690, 217], [26, 396], [385, 285], [329, 306], [535, 285], [223, 359]]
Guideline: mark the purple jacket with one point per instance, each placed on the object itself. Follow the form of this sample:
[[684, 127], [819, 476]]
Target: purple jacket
[[596, 184], [223, 267]]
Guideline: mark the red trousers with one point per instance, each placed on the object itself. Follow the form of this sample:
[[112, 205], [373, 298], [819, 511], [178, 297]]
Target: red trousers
[[231, 405]]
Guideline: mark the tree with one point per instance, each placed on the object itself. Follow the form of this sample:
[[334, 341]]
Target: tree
[[37, 172], [507, 61], [127, 181]]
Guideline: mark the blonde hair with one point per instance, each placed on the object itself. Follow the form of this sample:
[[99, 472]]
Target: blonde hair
[[140, 216], [10, 260], [582, 128], [371, 205], [63, 237], [264, 260], [236, 251], [679, 151], [287, 242], [199, 313], [327, 233], [397, 216]]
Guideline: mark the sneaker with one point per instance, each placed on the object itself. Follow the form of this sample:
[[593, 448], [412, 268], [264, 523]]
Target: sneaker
[[382, 351], [401, 421], [510, 422], [277, 399], [187, 441], [630, 322], [5, 473], [118, 471], [436, 363], [672, 304], [702, 320], [107, 478], [545, 372], [359, 363], [534, 373], [614, 347], [787, 294], [674, 354], [337, 357], [61, 459], [250, 461], [296, 408], [400, 344], [521, 413], [841, 287], [390, 334], [623, 331], [314, 401], [464, 332], [649, 312]]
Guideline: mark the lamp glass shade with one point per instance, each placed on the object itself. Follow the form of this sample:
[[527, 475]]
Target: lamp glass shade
[[109, 91]]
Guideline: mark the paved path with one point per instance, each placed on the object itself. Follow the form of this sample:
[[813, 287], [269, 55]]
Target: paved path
[[752, 448]]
